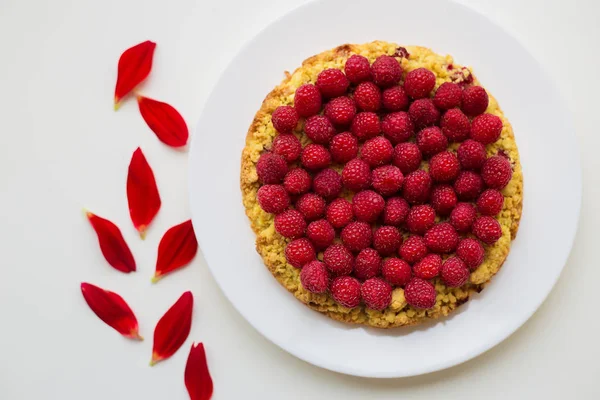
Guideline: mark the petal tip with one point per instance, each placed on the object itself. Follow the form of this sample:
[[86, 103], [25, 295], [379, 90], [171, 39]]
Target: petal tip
[[156, 278]]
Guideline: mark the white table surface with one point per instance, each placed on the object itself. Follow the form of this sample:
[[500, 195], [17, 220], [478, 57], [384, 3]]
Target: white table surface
[[63, 148]]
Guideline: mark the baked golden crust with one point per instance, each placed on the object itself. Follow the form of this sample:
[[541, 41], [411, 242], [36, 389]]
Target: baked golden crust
[[270, 245]]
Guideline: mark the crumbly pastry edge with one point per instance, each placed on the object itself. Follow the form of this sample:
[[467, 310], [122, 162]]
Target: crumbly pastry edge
[[270, 245]]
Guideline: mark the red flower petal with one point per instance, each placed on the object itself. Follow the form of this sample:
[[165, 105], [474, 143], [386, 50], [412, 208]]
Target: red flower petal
[[198, 382], [165, 121], [112, 309], [173, 328], [112, 244], [177, 248], [134, 66], [142, 193]]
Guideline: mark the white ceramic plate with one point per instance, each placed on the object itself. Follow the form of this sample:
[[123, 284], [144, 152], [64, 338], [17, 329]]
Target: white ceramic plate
[[552, 190]]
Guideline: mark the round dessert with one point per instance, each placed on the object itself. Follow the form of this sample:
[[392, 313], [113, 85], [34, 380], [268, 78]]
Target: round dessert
[[383, 184]]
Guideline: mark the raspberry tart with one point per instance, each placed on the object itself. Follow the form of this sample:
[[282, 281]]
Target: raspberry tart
[[383, 184]]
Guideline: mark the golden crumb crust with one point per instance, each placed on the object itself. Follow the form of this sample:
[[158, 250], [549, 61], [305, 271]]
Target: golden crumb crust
[[270, 245]]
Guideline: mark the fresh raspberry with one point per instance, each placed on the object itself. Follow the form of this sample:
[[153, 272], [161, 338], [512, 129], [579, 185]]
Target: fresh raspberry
[[367, 205], [407, 157], [442, 238], [471, 252], [339, 213], [431, 141], [343, 147], [338, 260], [468, 186], [487, 229], [332, 82], [314, 277], [423, 113], [328, 184], [394, 99], [357, 236], [319, 129], [396, 271], [463, 216], [377, 151], [307, 100], [271, 168], [376, 293], [288, 146], [419, 83], [413, 249], [454, 272], [386, 71], [312, 206], [420, 294], [356, 175], [297, 181], [367, 96], [285, 119], [395, 211], [367, 264], [429, 267], [387, 240], [490, 202], [444, 167], [365, 125], [447, 96], [340, 111], [496, 172], [345, 290], [455, 125], [417, 187], [443, 199], [357, 69], [321, 233], [387, 180], [420, 219], [300, 252], [273, 198], [290, 224], [474, 100], [471, 154], [315, 157], [397, 127], [486, 128]]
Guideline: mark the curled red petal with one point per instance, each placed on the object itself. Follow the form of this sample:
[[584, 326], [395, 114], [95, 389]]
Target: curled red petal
[[173, 328], [113, 246], [176, 249], [165, 121], [112, 309], [198, 382], [142, 193], [134, 66]]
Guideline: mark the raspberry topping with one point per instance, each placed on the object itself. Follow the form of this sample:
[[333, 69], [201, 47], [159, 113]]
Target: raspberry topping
[[413, 249], [463, 216], [395, 211], [288, 146], [338, 260], [339, 213], [285, 119], [376, 293], [365, 125], [471, 155], [307, 100], [420, 219], [442, 238], [417, 187], [429, 267], [496, 172], [273, 198], [297, 181], [290, 224], [367, 264], [367, 96], [315, 157], [394, 99], [346, 291], [358, 69], [420, 294], [423, 113], [407, 157], [468, 186], [419, 83], [343, 147], [387, 180], [321, 233], [444, 167], [471, 252], [443, 199], [357, 236], [367, 205], [340, 111], [455, 125], [431, 141], [397, 127], [490, 202], [487, 229], [387, 240], [319, 129], [300, 252], [396, 271], [386, 71], [356, 175], [332, 82], [474, 100], [314, 277], [377, 151], [486, 128], [454, 272], [328, 184], [311, 206], [447, 96], [271, 168]]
